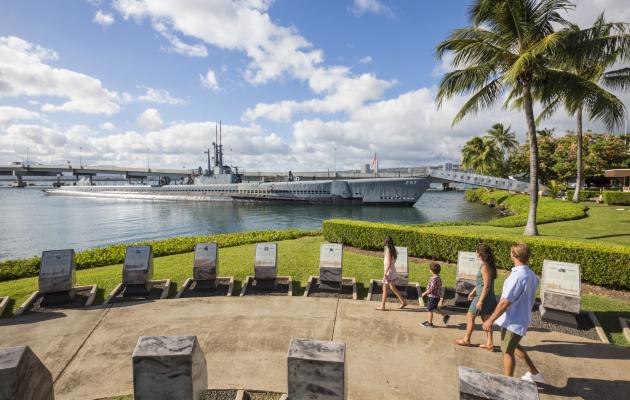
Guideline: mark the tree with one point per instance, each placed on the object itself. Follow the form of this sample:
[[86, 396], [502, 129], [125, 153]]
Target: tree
[[482, 156], [504, 140], [513, 46], [591, 67]]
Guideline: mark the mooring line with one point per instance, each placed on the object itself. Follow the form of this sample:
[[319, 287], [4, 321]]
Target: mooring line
[[109, 307]]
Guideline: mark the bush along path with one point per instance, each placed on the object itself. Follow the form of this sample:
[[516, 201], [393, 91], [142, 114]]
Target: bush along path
[[549, 210]]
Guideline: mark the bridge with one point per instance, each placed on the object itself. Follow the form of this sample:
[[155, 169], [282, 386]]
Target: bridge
[[22, 170]]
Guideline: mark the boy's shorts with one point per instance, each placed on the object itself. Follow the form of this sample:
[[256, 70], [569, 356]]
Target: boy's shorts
[[433, 303], [509, 341]]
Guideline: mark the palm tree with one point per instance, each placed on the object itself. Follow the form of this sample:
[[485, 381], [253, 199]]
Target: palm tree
[[481, 155], [513, 46], [504, 140], [593, 69], [502, 137]]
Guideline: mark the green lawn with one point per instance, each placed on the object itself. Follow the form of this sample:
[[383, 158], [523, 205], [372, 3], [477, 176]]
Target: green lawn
[[603, 224], [299, 259]]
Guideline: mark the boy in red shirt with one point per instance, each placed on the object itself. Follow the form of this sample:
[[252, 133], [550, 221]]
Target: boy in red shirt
[[434, 291]]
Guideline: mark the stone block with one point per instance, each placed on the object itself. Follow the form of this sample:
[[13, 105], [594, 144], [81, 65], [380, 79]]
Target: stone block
[[462, 290], [57, 271], [558, 317], [561, 302], [23, 376], [138, 267], [316, 370], [169, 367], [478, 385], [265, 261], [402, 266], [206, 261]]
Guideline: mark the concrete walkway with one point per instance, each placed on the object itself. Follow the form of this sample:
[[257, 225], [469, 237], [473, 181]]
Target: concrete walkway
[[246, 340]]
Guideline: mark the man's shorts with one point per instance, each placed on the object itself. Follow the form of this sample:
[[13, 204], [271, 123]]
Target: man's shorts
[[509, 341], [433, 303]]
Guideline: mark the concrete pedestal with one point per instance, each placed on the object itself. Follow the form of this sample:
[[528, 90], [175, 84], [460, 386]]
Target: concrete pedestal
[[316, 370], [462, 290], [558, 317], [478, 385], [23, 376], [203, 285], [169, 367], [53, 299]]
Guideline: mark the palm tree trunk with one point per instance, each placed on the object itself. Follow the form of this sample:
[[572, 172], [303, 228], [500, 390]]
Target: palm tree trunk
[[579, 179], [531, 229]]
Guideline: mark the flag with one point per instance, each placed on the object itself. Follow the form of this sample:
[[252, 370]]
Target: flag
[[374, 160]]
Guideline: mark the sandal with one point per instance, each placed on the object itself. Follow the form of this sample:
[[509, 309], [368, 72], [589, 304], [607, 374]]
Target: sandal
[[461, 342], [403, 305], [380, 309]]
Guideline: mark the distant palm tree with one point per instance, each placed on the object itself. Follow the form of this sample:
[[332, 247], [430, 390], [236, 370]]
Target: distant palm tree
[[481, 155], [504, 140], [513, 46], [592, 67]]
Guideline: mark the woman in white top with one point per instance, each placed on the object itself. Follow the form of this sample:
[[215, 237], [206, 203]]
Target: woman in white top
[[389, 274]]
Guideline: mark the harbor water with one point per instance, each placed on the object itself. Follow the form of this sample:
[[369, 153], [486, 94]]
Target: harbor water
[[31, 221]]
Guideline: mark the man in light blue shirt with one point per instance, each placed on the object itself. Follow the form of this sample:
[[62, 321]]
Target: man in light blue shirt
[[513, 313]]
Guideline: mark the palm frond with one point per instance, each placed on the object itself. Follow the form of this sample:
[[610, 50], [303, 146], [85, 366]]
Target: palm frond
[[463, 81], [617, 80], [483, 98]]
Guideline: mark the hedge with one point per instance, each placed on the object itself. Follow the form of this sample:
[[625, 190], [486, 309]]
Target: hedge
[[602, 264], [617, 198], [549, 210], [584, 195], [115, 254]]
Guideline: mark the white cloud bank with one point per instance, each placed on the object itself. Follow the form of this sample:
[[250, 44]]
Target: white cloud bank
[[16, 113], [377, 7], [160, 96], [150, 120]]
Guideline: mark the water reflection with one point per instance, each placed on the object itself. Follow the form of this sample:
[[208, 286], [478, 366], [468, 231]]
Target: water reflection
[[32, 222]]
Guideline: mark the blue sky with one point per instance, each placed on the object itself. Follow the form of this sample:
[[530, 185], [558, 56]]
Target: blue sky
[[290, 79]]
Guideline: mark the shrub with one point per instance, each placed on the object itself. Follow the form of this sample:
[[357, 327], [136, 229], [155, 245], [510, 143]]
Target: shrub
[[585, 195], [549, 210], [115, 254], [617, 198], [602, 264]]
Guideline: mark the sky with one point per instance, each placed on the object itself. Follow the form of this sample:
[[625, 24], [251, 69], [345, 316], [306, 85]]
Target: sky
[[298, 84]]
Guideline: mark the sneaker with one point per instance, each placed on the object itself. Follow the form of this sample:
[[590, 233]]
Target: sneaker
[[445, 319], [534, 378], [426, 324]]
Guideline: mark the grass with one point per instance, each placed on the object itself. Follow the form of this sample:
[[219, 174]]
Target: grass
[[604, 224], [298, 258]]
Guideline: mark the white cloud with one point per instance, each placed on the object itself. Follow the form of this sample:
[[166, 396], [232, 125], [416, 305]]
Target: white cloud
[[23, 72], [108, 126], [16, 113], [586, 11], [103, 19], [177, 45], [366, 60], [360, 7], [209, 81], [150, 120], [160, 96]]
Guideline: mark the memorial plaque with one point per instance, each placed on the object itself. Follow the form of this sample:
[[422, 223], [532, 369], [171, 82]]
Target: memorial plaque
[[265, 261], [316, 370], [468, 265], [23, 376], [57, 271], [330, 266], [138, 270], [169, 367], [206, 260], [402, 266], [560, 291]]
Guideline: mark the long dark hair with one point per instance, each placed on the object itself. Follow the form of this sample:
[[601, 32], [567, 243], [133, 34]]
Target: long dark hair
[[487, 257], [389, 244]]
